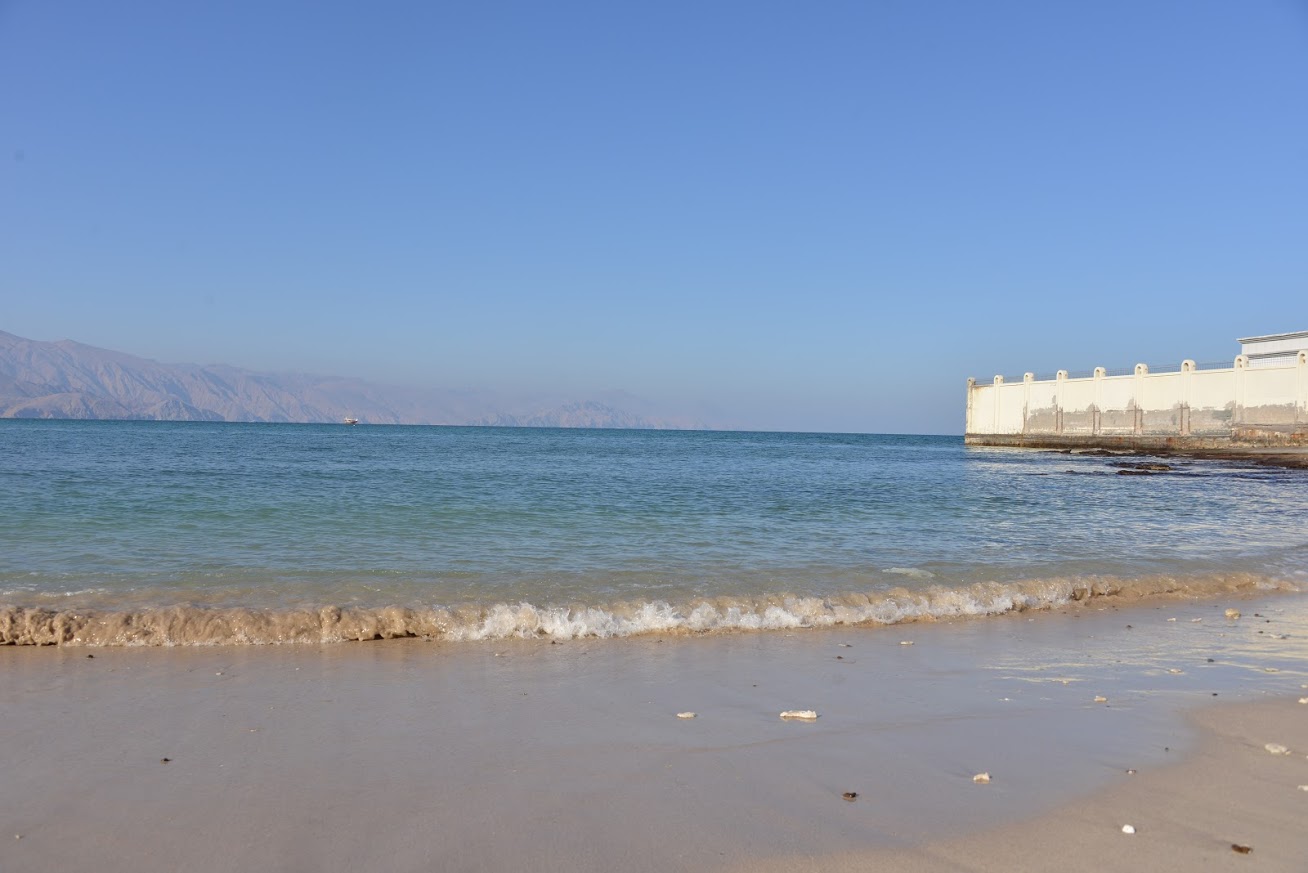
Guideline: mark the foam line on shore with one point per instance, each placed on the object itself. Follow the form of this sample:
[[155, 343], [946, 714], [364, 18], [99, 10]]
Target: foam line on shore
[[190, 625]]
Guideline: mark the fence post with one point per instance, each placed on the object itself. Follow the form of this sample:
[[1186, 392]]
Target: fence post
[[1059, 378], [1240, 365], [1026, 397], [1301, 369], [999, 384], [1137, 387], [967, 419], [1187, 371], [1094, 408]]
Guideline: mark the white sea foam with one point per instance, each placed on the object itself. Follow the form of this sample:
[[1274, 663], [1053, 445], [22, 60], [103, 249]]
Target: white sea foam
[[199, 625]]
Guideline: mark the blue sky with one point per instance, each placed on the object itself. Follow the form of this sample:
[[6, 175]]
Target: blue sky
[[792, 216]]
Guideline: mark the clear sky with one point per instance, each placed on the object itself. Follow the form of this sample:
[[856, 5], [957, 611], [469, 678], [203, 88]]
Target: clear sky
[[800, 216]]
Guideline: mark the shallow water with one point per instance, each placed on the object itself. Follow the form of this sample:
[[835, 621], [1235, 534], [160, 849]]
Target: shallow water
[[149, 532]]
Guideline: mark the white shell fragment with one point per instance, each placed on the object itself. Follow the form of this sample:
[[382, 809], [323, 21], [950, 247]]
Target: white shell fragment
[[1232, 613], [801, 714], [685, 715], [1128, 829], [1276, 749], [981, 778], [1173, 670], [1099, 698], [1303, 787], [906, 642], [1303, 699]]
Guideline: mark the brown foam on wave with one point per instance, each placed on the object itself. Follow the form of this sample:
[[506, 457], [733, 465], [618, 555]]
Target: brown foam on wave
[[188, 625]]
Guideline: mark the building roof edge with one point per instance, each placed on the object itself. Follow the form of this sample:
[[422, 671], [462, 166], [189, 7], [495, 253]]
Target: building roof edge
[[1273, 336]]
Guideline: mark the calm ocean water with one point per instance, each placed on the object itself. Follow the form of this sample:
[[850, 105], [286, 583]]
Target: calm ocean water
[[149, 532]]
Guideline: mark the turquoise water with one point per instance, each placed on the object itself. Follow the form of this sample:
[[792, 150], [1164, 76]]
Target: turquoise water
[[196, 532]]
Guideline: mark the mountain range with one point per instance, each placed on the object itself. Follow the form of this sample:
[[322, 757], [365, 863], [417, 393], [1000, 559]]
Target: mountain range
[[67, 379]]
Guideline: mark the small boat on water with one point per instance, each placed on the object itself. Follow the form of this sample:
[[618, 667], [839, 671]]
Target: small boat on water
[[351, 421]]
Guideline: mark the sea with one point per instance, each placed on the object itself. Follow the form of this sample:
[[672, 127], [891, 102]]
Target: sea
[[163, 533]]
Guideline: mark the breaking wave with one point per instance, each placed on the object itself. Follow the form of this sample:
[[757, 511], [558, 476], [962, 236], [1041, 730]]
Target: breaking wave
[[190, 625]]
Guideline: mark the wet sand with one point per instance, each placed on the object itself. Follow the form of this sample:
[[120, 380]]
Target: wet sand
[[411, 755], [1228, 805]]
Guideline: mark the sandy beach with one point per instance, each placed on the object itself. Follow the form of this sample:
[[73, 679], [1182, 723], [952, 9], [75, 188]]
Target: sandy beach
[[1229, 804], [413, 755]]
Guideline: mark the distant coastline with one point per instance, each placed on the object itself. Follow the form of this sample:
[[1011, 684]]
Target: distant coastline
[[70, 380]]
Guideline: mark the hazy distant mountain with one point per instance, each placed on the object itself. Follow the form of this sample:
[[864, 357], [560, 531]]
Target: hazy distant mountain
[[66, 379]]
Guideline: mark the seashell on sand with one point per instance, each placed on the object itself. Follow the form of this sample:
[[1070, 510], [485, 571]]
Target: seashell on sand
[[1276, 749], [800, 714], [981, 778], [685, 715], [1128, 829], [1232, 613]]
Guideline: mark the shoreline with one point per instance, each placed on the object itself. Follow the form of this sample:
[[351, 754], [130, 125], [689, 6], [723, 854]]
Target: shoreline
[[189, 624], [413, 755]]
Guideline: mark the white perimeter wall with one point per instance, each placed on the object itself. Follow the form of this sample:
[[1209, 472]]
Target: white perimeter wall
[[1189, 402]]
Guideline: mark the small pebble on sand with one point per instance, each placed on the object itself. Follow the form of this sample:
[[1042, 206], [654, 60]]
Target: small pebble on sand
[[850, 795], [1232, 613], [1128, 829], [1243, 850], [800, 714], [1276, 749], [685, 715], [981, 778]]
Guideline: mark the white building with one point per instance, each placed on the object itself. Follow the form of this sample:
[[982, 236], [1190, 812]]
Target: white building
[[1274, 350]]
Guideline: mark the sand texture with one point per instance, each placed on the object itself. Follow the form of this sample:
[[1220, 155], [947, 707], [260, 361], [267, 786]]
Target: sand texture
[[1228, 795], [412, 755]]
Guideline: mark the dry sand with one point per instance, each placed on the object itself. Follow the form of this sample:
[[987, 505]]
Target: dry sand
[[410, 755]]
